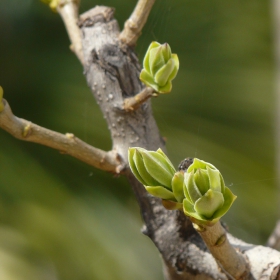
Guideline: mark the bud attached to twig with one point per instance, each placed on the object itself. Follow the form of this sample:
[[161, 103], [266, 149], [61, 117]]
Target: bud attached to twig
[[207, 198], [160, 67], [52, 4], [154, 170], [1, 99]]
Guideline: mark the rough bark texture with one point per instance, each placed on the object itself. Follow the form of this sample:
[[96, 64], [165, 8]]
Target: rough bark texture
[[112, 71]]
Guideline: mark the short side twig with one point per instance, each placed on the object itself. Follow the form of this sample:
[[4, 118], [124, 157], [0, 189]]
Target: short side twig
[[68, 143], [68, 10], [134, 25], [231, 261], [132, 103], [274, 238]]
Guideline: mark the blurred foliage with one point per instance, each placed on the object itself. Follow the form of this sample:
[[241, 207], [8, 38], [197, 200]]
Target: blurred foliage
[[61, 219]]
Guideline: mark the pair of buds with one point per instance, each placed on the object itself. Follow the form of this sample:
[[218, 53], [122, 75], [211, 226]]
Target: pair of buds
[[199, 191]]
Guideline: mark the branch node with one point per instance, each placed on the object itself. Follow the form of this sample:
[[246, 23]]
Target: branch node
[[199, 228], [221, 240], [70, 136], [26, 130]]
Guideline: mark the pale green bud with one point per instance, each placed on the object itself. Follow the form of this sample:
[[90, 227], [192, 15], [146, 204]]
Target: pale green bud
[[178, 186], [207, 198], [154, 170], [1, 99], [160, 67], [52, 4]]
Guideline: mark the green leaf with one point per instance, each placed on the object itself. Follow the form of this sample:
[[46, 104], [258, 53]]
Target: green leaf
[[148, 80], [131, 152], [202, 180], [166, 52], [189, 210], [176, 68], [160, 192], [169, 165], [158, 168], [142, 170], [147, 56], [222, 184], [215, 179], [178, 186], [191, 187], [197, 163], [229, 198], [156, 60], [208, 204], [165, 89], [163, 74]]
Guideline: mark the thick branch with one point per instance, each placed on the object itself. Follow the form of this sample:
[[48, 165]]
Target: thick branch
[[134, 25], [67, 144], [68, 10]]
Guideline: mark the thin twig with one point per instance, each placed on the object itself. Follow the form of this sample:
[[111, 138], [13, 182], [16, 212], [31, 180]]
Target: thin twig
[[65, 143], [216, 240], [132, 103], [134, 25], [68, 10]]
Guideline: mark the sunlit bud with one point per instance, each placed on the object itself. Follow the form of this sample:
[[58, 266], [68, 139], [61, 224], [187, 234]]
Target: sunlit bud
[[154, 170], [160, 67], [207, 198]]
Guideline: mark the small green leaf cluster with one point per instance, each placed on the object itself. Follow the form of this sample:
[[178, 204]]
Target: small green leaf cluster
[[200, 191], [160, 67]]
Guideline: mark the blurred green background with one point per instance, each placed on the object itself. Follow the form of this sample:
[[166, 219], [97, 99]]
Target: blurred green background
[[61, 219]]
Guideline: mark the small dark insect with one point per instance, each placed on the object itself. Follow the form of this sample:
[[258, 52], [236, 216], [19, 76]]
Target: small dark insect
[[184, 164]]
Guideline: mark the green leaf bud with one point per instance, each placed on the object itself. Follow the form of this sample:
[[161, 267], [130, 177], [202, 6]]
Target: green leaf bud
[[207, 198], [154, 170], [1, 99], [52, 4], [178, 186], [160, 67]]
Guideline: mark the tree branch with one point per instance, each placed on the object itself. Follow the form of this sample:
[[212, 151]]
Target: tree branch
[[132, 103], [274, 238], [232, 262], [68, 10], [66, 144], [134, 25]]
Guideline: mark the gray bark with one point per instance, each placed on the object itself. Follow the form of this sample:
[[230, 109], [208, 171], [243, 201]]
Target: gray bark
[[112, 72]]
